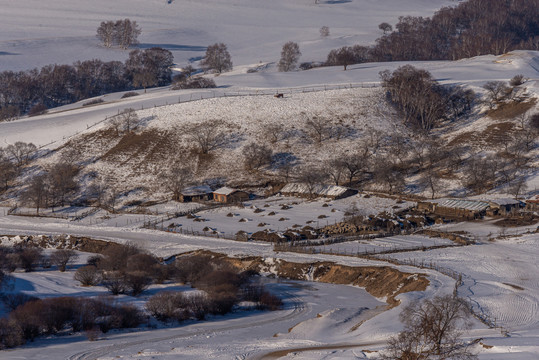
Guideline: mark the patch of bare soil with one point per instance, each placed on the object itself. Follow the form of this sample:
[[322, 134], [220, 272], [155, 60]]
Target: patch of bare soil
[[280, 353], [379, 281], [517, 221], [65, 242]]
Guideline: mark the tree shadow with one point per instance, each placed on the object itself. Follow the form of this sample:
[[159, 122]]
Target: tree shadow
[[174, 47], [7, 53]]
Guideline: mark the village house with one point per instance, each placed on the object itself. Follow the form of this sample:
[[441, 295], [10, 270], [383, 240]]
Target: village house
[[327, 191], [196, 193], [532, 203], [229, 195]]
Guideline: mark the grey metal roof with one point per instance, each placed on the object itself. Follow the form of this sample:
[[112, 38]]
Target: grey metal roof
[[323, 190], [464, 204], [197, 190]]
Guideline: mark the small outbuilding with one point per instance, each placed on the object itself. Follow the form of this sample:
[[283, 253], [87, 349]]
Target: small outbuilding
[[196, 193], [230, 195], [503, 206], [532, 203]]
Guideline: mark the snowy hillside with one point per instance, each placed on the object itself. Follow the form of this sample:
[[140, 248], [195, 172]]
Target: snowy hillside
[[35, 33], [122, 177]]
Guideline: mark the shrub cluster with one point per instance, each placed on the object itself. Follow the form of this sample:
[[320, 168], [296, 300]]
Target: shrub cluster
[[50, 316], [222, 285], [123, 269], [193, 83]]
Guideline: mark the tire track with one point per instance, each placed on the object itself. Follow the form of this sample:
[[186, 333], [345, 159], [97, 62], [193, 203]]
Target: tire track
[[299, 309]]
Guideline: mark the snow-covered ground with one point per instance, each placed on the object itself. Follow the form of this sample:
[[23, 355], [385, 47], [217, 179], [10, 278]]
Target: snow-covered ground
[[500, 277]]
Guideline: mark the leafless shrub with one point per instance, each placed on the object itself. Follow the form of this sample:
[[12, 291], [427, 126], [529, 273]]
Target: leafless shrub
[[12, 301], [324, 31], [137, 282], [114, 281], [38, 109], [29, 258], [130, 94], [11, 334], [88, 275], [194, 83], [62, 257], [270, 302], [517, 80], [164, 306]]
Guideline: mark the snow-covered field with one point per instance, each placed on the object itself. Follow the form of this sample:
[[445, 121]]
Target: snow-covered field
[[392, 243]]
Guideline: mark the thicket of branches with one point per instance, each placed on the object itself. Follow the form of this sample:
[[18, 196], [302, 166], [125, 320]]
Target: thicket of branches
[[56, 85], [53, 315], [421, 100], [472, 28], [122, 33]]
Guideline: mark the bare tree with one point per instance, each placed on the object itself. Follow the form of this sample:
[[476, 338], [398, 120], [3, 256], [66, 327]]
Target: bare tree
[[255, 155], [289, 56], [125, 121], [217, 58], [61, 180], [433, 330], [106, 33], [62, 257], [324, 31], [127, 33], [123, 33], [8, 171], [385, 27], [37, 192], [178, 176], [208, 135], [335, 169], [312, 178], [496, 92], [21, 151], [318, 128], [430, 179]]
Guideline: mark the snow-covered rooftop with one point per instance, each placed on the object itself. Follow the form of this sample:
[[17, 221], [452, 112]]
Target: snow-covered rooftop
[[197, 190], [322, 190], [465, 204], [225, 190]]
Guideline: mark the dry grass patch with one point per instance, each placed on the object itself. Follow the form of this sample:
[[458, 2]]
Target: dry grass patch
[[511, 110]]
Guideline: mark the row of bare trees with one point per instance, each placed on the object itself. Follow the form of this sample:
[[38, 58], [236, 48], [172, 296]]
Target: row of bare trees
[[471, 28], [55, 85], [38, 317]]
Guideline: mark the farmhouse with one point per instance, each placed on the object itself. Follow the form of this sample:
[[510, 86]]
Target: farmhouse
[[229, 195], [328, 191], [196, 193]]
